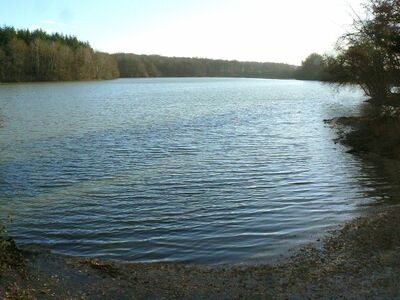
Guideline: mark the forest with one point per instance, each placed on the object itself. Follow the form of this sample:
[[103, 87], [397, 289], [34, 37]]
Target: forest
[[132, 65], [38, 56]]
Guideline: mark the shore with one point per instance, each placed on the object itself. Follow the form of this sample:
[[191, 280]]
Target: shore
[[361, 259]]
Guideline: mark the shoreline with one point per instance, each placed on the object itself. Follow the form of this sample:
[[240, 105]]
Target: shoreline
[[360, 259], [148, 77]]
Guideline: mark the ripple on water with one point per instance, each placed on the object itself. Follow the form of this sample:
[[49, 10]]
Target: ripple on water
[[194, 170]]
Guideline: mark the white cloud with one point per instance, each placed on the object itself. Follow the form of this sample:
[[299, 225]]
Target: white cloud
[[44, 28]]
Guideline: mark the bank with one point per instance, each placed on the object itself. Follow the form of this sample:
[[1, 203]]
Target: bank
[[359, 260]]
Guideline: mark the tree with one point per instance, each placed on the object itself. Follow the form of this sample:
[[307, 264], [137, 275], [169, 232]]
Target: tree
[[364, 65], [312, 68], [368, 55], [2, 64], [385, 31], [17, 50], [105, 66], [36, 59]]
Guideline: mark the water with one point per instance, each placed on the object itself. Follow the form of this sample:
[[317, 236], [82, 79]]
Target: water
[[188, 170]]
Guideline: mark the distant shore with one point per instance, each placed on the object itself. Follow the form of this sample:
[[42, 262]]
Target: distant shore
[[146, 77]]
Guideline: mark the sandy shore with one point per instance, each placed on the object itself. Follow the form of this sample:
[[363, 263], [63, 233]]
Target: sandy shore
[[361, 259]]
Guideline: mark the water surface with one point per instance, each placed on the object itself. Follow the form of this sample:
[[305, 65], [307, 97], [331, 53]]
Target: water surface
[[191, 170]]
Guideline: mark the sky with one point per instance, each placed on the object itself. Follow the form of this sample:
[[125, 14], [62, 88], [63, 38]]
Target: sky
[[247, 30]]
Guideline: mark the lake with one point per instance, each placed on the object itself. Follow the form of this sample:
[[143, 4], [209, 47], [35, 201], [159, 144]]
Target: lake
[[198, 170]]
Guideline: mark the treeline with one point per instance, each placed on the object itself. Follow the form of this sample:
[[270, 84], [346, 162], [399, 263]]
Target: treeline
[[132, 65], [38, 56]]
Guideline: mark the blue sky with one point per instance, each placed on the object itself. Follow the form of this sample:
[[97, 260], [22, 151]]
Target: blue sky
[[255, 30]]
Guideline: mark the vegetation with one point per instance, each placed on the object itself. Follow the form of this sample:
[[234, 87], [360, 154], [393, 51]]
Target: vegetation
[[369, 55], [38, 56], [132, 65], [313, 68]]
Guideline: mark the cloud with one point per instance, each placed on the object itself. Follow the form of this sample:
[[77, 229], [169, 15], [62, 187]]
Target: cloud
[[52, 26], [34, 27], [44, 28]]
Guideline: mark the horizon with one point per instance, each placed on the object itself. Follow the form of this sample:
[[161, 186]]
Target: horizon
[[178, 29]]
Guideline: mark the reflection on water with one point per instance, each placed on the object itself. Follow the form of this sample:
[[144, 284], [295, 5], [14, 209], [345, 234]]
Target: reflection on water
[[382, 180], [383, 184], [196, 170]]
